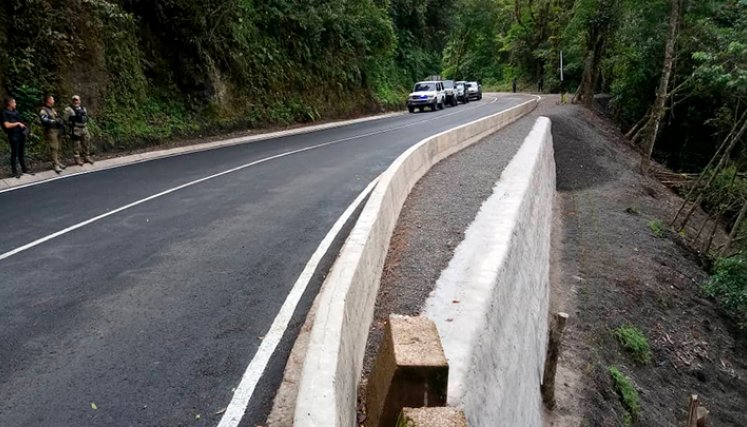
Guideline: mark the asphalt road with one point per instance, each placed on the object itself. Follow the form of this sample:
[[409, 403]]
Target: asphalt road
[[152, 314]]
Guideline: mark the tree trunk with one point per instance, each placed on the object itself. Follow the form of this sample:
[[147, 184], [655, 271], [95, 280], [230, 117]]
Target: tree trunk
[[586, 91], [634, 130], [735, 229], [722, 162], [662, 93], [600, 27], [517, 11], [706, 169], [710, 238]]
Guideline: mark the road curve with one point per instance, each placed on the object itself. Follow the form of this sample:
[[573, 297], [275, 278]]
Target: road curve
[[150, 314]]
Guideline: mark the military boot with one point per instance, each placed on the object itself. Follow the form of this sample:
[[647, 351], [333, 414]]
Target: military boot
[[78, 161], [89, 159], [56, 161], [56, 168]]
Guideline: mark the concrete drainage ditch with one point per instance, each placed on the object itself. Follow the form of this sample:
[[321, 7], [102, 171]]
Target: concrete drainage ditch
[[332, 364]]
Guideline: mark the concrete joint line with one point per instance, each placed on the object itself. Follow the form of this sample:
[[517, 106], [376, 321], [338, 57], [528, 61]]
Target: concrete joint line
[[333, 362]]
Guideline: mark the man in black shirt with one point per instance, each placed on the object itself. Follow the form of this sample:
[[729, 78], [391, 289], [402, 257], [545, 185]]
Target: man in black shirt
[[16, 131]]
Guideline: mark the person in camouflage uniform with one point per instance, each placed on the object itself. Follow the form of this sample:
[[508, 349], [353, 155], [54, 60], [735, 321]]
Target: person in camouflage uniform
[[53, 126], [76, 117]]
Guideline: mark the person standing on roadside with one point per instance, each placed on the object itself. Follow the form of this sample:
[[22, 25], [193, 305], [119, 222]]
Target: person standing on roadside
[[513, 84], [53, 125], [16, 131], [76, 116]]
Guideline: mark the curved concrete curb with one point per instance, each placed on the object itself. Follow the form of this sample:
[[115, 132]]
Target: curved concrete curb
[[495, 337], [333, 362]]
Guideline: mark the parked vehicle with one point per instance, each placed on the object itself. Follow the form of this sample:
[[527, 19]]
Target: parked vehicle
[[450, 93], [474, 90], [426, 94], [461, 92]]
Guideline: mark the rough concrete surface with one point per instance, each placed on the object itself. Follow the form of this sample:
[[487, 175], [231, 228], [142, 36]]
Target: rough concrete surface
[[334, 359], [490, 303], [432, 223], [411, 370], [432, 417]]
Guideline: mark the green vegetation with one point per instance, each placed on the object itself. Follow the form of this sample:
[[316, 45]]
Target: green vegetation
[[627, 392], [657, 228], [633, 340], [728, 285], [154, 70]]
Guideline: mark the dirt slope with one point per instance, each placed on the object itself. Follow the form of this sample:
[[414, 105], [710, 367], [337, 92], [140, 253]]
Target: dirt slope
[[610, 269]]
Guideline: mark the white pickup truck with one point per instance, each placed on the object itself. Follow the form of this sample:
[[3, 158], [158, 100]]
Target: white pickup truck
[[426, 94]]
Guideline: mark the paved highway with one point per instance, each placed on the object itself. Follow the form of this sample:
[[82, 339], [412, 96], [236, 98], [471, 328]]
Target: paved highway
[[139, 295]]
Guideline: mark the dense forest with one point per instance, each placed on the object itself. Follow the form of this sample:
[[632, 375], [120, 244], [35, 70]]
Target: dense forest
[[673, 73], [156, 69]]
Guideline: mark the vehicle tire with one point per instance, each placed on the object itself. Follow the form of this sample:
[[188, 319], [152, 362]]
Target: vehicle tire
[[479, 97], [441, 105], [434, 106], [420, 109], [410, 109], [454, 102]]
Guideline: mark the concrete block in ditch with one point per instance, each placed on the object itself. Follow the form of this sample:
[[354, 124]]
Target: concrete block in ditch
[[432, 417], [410, 371]]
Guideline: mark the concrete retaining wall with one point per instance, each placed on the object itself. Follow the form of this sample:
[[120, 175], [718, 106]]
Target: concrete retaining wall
[[491, 303], [333, 362]]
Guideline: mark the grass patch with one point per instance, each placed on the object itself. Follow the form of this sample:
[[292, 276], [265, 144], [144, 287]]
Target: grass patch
[[728, 285], [626, 391], [657, 228], [633, 210], [635, 343], [627, 420]]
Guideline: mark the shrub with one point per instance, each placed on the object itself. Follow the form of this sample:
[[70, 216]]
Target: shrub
[[626, 391], [635, 343], [657, 228], [728, 285]]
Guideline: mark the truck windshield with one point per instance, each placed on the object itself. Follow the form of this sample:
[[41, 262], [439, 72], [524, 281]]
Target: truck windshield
[[424, 87]]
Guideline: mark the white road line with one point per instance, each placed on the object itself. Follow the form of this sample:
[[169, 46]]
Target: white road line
[[198, 181], [198, 148], [242, 395]]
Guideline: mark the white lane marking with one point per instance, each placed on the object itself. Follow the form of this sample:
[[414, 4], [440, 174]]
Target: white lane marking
[[209, 146], [207, 178], [242, 395], [198, 148]]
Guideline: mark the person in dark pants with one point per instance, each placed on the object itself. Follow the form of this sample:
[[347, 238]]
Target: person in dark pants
[[16, 131], [513, 84]]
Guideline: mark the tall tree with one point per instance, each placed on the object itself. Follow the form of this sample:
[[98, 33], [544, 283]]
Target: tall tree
[[658, 109], [601, 17]]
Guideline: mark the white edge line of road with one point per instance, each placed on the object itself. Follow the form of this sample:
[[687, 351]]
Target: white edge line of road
[[207, 178], [135, 158], [118, 162], [241, 397]]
